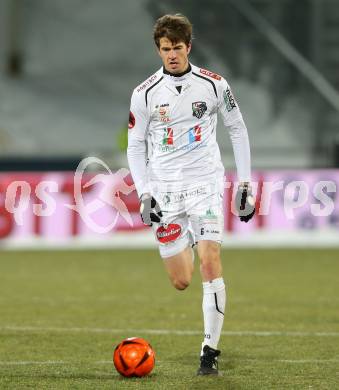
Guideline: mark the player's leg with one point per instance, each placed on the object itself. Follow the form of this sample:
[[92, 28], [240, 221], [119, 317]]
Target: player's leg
[[213, 304], [180, 268], [214, 294], [210, 262], [175, 239], [207, 220]]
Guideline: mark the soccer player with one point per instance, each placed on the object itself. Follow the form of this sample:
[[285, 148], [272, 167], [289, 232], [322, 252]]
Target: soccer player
[[178, 173]]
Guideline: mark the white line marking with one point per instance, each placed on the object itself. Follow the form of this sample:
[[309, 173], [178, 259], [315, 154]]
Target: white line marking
[[29, 363], [50, 362], [165, 331], [312, 361], [106, 362]]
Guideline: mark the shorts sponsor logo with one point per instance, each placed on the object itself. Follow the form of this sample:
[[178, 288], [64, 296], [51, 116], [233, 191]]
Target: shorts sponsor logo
[[229, 100], [213, 231], [177, 197], [210, 213], [209, 218], [199, 109], [166, 199], [210, 74], [131, 120], [169, 233]]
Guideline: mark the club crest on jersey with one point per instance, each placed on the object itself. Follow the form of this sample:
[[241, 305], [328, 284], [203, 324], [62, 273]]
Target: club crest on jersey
[[199, 109], [169, 233]]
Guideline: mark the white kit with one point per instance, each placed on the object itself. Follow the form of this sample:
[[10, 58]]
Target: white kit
[[173, 153]]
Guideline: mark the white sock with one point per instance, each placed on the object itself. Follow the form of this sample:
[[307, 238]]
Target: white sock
[[213, 307]]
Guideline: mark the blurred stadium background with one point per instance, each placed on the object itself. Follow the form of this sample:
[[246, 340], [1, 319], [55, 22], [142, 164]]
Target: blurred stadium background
[[67, 70]]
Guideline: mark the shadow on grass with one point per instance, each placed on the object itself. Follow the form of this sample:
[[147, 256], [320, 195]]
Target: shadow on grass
[[228, 362]]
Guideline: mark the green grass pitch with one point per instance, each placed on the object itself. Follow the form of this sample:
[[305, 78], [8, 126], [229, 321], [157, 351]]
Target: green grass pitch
[[62, 312]]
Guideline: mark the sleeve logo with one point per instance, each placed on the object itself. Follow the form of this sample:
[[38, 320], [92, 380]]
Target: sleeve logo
[[210, 74], [131, 120], [146, 83], [229, 100]]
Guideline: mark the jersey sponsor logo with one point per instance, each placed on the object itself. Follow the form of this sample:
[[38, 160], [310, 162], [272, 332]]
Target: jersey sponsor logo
[[164, 115], [146, 83], [186, 148], [199, 109], [229, 100], [167, 138], [169, 233], [210, 74], [131, 120], [194, 134], [163, 111]]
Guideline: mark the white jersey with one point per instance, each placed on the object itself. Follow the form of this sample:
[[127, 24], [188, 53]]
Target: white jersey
[[172, 130]]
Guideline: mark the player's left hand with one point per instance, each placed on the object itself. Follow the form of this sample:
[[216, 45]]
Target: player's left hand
[[149, 210], [244, 202]]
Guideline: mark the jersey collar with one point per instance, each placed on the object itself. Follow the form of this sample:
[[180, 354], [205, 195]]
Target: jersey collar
[[179, 78]]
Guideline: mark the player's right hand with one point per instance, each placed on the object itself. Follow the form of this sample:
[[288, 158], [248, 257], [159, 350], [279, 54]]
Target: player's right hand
[[149, 209], [244, 202]]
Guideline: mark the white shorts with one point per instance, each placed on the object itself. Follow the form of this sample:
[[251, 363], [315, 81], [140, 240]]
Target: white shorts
[[189, 216]]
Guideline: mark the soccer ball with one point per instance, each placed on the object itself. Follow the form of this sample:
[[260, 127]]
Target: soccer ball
[[134, 357]]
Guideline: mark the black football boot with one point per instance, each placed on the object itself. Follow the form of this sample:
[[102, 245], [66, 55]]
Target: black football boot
[[208, 361]]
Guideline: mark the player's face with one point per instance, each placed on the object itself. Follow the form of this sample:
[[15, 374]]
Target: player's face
[[174, 56]]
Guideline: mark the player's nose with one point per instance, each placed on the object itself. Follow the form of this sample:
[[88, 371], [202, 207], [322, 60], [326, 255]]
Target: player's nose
[[173, 55]]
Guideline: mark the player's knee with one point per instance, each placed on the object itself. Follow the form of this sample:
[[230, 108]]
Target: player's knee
[[181, 284], [209, 253]]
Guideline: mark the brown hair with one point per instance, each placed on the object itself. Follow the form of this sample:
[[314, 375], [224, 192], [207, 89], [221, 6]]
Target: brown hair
[[176, 28]]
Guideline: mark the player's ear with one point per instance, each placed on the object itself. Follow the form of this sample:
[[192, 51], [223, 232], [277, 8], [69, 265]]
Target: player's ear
[[189, 47], [157, 48]]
